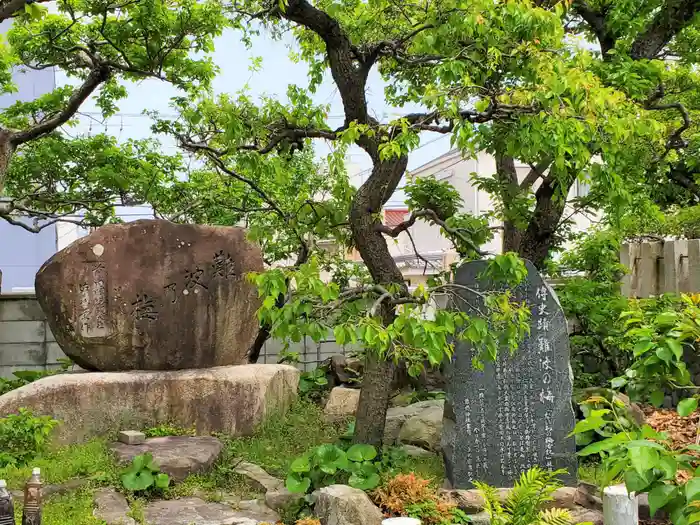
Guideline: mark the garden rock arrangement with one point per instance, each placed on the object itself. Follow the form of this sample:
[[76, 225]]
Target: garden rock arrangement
[[233, 400], [177, 456], [419, 424], [153, 295]]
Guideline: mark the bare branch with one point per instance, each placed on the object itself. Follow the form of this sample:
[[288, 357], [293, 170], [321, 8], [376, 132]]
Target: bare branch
[[495, 111]]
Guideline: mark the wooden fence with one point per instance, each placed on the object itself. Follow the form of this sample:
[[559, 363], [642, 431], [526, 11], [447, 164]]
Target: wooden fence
[[658, 267]]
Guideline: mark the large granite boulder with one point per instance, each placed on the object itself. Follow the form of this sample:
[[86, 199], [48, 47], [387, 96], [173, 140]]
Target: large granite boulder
[[230, 399], [153, 295]]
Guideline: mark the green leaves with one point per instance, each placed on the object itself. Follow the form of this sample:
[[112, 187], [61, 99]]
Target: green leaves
[[361, 452], [643, 459], [687, 406], [660, 496], [329, 464], [144, 474]]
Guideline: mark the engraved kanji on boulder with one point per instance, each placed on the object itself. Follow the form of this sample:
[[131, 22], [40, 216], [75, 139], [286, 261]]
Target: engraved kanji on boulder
[[153, 295]]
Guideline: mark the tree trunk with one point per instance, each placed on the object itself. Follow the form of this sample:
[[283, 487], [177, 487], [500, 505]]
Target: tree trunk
[[7, 149], [507, 177], [512, 237], [368, 202], [541, 234], [374, 400]]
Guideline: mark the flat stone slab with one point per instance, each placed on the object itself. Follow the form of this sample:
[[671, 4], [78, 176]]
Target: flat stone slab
[[187, 511], [112, 508], [177, 456], [258, 476], [229, 399]]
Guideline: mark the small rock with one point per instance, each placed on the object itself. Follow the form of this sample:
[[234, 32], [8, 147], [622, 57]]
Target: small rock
[[187, 511], [112, 508], [343, 505], [397, 416], [259, 476], [281, 499], [644, 512], [469, 501], [482, 518], [342, 404], [587, 496], [257, 509], [177, 456], [581, 515], [131, 437], [564, 498], [417, 452], [424, 429]]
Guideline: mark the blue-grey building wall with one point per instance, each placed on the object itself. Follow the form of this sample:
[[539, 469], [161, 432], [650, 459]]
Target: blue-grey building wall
[[21, 252]]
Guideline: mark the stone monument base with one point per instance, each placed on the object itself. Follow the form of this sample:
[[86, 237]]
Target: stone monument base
[[229, 399]]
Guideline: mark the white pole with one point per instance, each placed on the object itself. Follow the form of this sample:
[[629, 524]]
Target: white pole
[[619, 506]]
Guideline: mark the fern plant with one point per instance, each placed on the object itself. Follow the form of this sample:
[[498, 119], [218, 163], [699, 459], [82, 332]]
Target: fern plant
[[524, 503]]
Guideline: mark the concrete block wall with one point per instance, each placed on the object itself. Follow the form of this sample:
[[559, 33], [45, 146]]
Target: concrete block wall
[[26, 342], [658, 267]]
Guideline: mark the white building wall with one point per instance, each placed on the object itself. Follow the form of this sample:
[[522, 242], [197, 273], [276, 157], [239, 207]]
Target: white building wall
[[458, 171]]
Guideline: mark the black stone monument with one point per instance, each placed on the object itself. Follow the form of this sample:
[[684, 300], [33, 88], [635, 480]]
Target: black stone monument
[[517, 412]]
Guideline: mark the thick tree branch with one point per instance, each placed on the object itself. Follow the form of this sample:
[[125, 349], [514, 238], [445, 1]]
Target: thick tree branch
[[671, 18], [596, 21], [10, 8], [97, 76], [495, 111], [293, 135], [536, 172]]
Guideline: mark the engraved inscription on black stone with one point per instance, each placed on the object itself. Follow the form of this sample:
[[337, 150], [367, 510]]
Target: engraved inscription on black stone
[[144, 308], [517, 412]]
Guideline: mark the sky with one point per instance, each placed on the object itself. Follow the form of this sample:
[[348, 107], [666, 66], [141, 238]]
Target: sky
[[278, 71]]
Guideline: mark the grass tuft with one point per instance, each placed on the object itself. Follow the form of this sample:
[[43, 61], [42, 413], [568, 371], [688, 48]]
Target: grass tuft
[[91, 460]]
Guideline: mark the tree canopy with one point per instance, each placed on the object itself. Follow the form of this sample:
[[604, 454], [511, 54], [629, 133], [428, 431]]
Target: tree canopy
[[599, 91]]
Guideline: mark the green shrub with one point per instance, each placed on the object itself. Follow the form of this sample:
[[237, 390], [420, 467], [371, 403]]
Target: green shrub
[[168, 429], [23, 436]]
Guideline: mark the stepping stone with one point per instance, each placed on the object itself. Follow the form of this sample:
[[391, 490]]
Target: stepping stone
[[178, 456], [260, 478], [112, 508], [259, 509], [187, 511]]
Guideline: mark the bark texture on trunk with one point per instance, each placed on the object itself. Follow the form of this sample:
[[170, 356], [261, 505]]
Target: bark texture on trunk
[[379, 374], [7, 149], [541, 233], [377, 383]]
